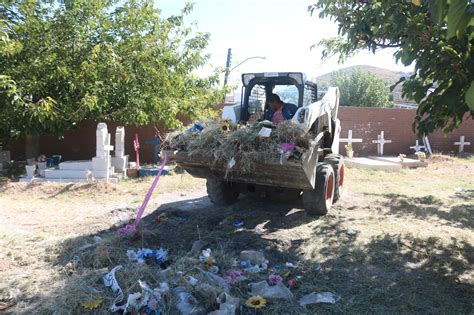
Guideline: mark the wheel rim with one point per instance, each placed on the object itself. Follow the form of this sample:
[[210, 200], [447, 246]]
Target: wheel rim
[[330, 189], [341, 177]]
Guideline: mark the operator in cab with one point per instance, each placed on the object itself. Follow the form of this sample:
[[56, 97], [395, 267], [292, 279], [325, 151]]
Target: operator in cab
[[277, 112]]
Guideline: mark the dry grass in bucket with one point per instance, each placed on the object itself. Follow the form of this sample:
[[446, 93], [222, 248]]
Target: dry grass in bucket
[[221, 142]]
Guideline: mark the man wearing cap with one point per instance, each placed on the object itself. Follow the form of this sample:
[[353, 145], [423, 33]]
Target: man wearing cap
[[278, 110]]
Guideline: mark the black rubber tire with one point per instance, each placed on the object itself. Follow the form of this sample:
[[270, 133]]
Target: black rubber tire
[[319, 201], [337, 163], [221, 192]]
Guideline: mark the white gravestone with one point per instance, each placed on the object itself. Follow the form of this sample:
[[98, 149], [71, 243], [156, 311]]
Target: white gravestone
[[349, 138], [120, 160], [417, 147], [380, 142], [101, 164], [461, 143]]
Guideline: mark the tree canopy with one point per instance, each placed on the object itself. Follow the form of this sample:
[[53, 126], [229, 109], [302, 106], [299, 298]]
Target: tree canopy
[[67, 61], [436, 36], [362, 88]]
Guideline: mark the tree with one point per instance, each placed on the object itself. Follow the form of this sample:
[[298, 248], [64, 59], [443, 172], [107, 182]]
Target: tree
[[100, 60], [437, 36], [362, 88]]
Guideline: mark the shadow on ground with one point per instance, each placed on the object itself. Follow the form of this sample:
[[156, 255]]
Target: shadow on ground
[[388, 273], [430, 207]]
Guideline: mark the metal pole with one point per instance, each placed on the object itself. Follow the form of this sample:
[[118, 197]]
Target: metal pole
[[227, 66]]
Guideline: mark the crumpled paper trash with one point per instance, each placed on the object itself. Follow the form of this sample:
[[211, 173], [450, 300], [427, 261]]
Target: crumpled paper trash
[[278, 291], [322, 297]]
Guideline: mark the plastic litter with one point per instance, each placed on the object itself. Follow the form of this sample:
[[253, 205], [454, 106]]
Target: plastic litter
[[351, 232], [322, 297], [278, 291], [139, 256], [187, 303], [248, 267], [290, 265], [195, 128], [238, 223], [215, 280], [253, 256], [265, 132], [287, 147], [197, 247], [231, 163], [205, 255], [214, 269], [228, 305], [192, 281], [111, 281]]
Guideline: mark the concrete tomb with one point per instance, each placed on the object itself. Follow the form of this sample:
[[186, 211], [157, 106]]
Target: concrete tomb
[[100, 167], [120, 160]]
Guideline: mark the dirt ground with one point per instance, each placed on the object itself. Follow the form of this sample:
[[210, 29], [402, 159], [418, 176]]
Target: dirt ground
[[395, 243]]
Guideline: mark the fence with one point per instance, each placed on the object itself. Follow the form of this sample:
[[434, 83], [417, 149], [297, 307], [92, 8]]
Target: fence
[[365, 123]]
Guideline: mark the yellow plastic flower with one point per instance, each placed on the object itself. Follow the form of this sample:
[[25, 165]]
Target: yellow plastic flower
[[256, 301], [225, 126], [92, 304], [416, 2]]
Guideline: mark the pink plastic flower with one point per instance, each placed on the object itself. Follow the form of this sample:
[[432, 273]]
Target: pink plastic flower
[[274, 279], [233, 277], [292, 283]]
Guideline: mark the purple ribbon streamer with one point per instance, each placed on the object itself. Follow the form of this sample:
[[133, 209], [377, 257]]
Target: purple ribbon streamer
[[132, 228]]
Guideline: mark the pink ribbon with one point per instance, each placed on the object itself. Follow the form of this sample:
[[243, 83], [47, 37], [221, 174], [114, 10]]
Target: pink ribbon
[[132, 228]]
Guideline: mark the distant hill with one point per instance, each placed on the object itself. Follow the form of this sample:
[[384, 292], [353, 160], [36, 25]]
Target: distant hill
[[388, 75]]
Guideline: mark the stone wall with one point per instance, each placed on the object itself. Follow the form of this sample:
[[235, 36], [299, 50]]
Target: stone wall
[[365, 123]]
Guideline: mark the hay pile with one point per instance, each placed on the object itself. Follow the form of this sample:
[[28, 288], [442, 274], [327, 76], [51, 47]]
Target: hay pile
[[220, 142]]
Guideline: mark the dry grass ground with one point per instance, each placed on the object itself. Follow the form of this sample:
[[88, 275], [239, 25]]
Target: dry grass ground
[[412, 250]]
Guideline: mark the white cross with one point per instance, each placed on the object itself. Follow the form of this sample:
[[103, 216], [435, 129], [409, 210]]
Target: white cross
[[380, 142], [349, 138], [417, 147], [461, 143]]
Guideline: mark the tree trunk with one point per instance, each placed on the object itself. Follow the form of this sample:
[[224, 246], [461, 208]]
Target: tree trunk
[[31, 146]]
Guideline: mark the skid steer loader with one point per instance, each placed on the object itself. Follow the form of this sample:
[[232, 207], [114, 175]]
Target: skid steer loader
[[319, 175]]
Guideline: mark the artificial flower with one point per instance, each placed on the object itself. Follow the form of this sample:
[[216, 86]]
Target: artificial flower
[[92, 304], [256, 301], [275, 279]]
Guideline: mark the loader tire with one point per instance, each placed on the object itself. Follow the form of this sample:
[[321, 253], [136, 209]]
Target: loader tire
[[318, 201], [337, 163], [220, 192]]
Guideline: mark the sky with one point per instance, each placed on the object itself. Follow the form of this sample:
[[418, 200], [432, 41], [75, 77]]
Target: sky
[[282, 31]]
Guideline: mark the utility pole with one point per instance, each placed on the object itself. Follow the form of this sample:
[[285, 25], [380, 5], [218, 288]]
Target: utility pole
[[227, 66]]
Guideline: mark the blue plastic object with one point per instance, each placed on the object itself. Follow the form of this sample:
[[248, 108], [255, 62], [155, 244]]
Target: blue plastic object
[[151, 172], [56, 159]]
